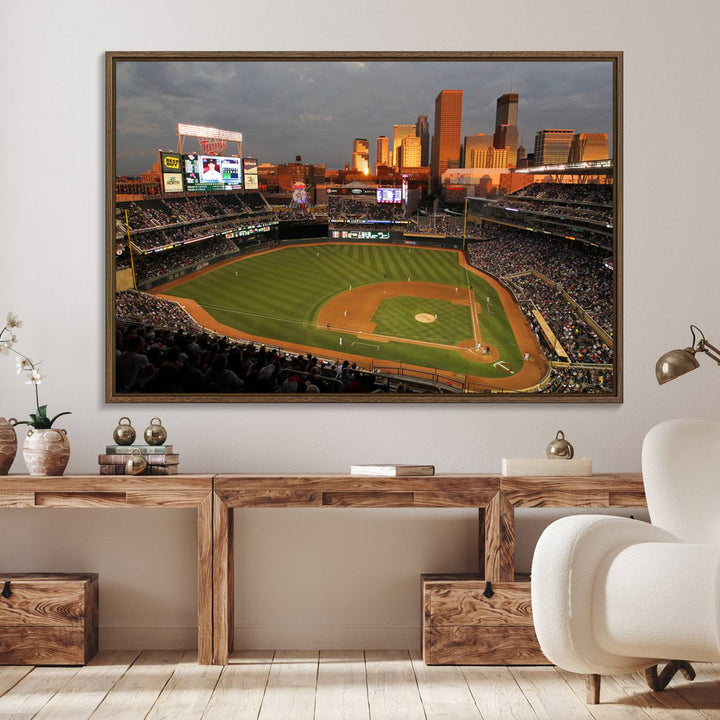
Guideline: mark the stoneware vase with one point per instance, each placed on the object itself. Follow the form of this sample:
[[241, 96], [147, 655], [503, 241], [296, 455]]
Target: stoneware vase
[[8, 444], [46, 451]]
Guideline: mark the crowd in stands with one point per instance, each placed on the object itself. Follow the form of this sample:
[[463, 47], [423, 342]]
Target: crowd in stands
[[294, 214], [564, 211], [178, 234], [579, 340], [141, 308], [589, 193], [159, 349], [584, 277], [346, 209], [145, 214], [578, 380], [158, 264], [443, 224]]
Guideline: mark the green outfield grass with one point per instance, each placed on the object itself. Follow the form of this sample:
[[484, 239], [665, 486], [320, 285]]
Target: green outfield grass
[[279, 295]]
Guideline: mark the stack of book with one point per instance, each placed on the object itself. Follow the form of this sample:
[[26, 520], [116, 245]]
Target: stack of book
[[392, 470], [160, 459]]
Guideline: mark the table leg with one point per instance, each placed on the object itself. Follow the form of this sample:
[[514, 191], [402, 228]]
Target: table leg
[[481, 541], [499, 546], [205, 580], [223, 581]]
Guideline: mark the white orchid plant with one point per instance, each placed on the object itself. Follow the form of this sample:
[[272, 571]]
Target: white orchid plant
[[25, 366]]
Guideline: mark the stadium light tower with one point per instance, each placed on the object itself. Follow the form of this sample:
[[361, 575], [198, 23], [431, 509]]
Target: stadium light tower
[[212, 140]]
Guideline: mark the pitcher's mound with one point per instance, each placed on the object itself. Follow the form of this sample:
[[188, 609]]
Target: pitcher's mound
[[425, 318]]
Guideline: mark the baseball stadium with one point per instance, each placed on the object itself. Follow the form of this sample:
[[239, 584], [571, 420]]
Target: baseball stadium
[[228, 291], [359, 295]]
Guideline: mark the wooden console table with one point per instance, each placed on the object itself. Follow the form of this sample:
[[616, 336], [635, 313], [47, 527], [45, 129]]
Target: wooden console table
[[495, 497], [215, 498], [127, 491]]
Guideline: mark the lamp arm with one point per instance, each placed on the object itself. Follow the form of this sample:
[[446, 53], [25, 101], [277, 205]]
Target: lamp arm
[[710, 350]]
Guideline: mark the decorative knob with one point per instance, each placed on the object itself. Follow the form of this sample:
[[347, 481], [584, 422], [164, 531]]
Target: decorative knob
[[155, 433], [124, 433]]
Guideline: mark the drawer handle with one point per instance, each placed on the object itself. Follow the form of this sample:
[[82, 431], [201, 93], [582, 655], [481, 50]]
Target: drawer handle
[[6, 592], [488, 592]]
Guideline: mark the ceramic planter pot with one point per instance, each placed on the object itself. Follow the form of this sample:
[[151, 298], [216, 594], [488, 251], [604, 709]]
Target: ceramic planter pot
[[8, 444], [46, 451]]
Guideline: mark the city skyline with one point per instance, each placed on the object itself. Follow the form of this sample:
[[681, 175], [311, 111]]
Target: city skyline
[[315, 109]]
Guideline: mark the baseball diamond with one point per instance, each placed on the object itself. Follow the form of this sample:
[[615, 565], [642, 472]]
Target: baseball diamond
[[331, 298]]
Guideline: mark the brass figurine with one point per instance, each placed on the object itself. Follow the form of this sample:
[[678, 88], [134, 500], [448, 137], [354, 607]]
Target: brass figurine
[[155, 433], [560, 448], [136, 463], [124, 433]]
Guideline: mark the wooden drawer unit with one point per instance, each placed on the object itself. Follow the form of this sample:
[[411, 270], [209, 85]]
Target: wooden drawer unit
[[48, 619], [462, 626]]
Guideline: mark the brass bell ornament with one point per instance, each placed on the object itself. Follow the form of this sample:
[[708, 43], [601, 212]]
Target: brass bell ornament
[[155, 433], [124, 433], [560, 448], [136, 463]]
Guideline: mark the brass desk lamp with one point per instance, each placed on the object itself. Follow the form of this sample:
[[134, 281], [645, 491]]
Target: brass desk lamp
[[677, 362]]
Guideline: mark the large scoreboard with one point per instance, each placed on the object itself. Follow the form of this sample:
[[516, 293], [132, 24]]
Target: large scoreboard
[[212, 172], [389, 195]]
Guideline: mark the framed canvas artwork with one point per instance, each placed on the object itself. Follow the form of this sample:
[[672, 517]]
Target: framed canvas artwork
[[364, 227]]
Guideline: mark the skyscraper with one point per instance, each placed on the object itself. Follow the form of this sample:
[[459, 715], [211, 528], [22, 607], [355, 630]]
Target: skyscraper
[[589, 146], [400, 132], [507, 109], [446, 136], [423, 132], [506, 131], [552, 146], [381, 151], [479, 141], [410, 152], [361, 155]]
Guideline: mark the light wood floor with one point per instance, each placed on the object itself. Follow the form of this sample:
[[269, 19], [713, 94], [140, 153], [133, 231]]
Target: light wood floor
[[370, 685]]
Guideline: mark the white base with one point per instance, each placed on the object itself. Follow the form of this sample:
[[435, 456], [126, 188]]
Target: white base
[[327, 637], [547, 466], [269, 636], [150, 637]]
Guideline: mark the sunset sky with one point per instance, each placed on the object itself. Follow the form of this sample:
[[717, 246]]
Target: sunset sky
[[316, 108]]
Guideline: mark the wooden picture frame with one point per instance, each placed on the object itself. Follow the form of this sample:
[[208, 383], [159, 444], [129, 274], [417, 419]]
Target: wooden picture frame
[[281, 228]]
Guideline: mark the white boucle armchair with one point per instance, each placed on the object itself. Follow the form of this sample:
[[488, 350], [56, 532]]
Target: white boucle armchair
[[614, 595]]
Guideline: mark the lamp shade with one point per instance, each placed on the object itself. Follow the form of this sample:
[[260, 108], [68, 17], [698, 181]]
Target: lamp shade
[[675, 363]]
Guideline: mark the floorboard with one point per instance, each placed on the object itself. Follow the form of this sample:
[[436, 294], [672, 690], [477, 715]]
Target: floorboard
[[187, 693], [290, 692], [34, 691], [11, 675], [87, 688], [343, 685], [139, 688], [392, 688], [240, 691], [548, 694], [444, 691]]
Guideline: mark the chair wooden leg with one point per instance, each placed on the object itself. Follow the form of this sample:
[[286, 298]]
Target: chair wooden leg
[[592, 689], [659, 682]]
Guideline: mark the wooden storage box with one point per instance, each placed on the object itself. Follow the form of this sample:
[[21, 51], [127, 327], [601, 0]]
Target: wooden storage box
[[461, 626], [48, 618]]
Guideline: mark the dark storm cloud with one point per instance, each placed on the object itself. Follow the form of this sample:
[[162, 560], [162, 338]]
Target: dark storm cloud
[[315, 109]]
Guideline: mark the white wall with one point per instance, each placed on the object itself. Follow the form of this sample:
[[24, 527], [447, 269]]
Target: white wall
[[330, 578]]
